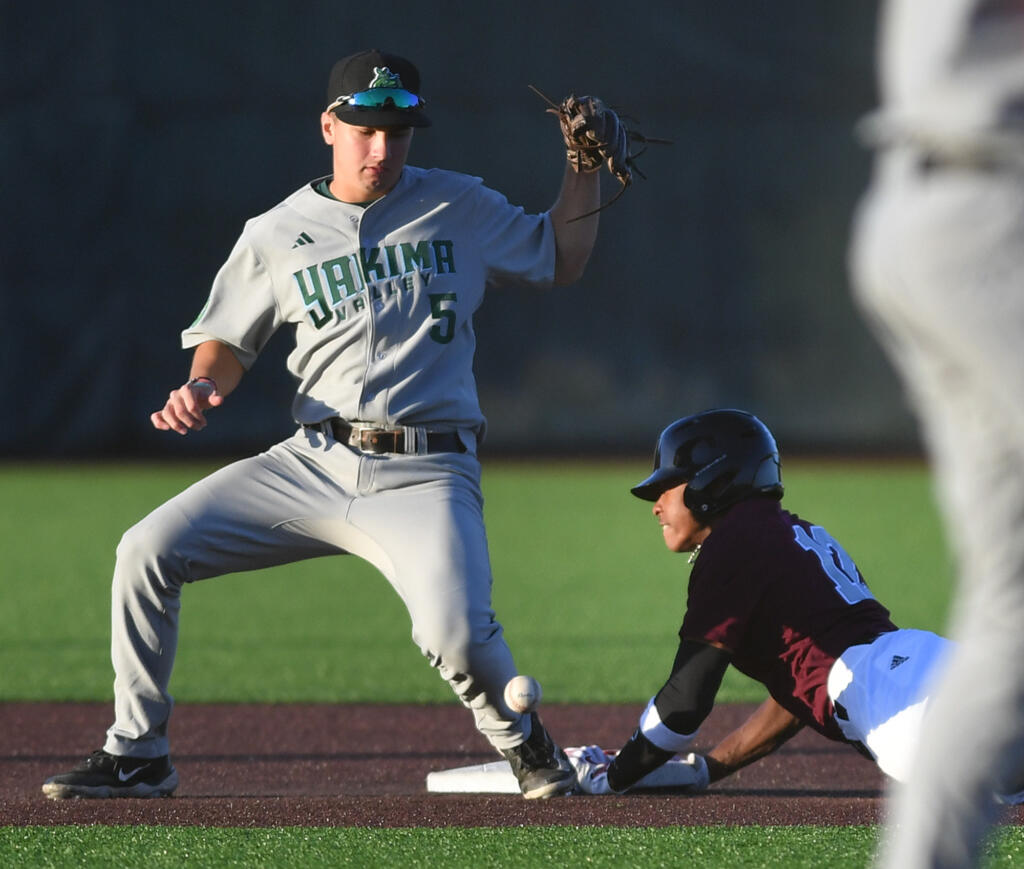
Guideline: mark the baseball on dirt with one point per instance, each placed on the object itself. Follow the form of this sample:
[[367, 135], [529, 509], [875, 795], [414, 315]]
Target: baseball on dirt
[[522, 694]]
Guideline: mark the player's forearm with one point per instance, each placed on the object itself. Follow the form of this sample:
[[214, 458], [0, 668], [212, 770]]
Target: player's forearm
[[218, 362], [769, 727], [574, 239]]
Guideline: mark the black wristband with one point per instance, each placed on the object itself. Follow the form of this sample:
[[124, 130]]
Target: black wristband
[[638, 757]]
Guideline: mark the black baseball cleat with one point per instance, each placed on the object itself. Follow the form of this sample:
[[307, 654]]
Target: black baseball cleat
[[102, 775], [540, 766]]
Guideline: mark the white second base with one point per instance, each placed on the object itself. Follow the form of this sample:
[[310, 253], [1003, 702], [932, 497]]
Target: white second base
[[496, 778], [484, 778]]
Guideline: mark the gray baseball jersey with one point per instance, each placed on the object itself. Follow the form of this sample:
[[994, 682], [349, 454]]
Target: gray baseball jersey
[[382, 297], [382, 300]]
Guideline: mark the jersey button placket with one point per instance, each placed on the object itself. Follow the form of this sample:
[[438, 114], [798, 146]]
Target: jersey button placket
[[369, 391]]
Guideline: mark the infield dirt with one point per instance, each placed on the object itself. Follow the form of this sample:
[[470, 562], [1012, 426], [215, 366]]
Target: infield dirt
[[321, 765]]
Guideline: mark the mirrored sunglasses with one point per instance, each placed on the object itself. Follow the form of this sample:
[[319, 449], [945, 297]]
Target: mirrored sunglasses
[[380, 98]]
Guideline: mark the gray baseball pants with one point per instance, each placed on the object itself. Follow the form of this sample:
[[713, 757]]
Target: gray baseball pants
[[938, 264], [417, 518]]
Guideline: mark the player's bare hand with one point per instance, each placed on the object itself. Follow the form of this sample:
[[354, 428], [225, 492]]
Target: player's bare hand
[[186, 406]]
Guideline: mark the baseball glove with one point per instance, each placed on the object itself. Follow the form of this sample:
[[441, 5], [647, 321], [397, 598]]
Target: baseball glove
[[594, 136]]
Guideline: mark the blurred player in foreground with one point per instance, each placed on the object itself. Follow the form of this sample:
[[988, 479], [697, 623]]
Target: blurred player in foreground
[[780, 599], [938, 264], [378, 268]]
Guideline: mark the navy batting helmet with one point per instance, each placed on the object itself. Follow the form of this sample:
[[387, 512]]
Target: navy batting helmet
[[723, 455]]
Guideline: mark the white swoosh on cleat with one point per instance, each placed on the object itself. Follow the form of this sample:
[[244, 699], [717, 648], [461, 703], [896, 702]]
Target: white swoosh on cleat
[[123, 776]]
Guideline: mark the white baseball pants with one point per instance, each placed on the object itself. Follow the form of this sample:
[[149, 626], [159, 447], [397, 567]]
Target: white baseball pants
[[417, 518]]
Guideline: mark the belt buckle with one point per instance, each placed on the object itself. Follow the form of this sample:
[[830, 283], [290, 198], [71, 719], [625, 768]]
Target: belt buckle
[[380, 440]]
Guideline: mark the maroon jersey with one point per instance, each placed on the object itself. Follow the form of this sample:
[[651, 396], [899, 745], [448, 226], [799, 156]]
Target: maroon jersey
[[786, 600]]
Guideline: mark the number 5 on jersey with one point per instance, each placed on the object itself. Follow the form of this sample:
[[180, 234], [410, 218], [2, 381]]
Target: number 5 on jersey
[[444, 330]]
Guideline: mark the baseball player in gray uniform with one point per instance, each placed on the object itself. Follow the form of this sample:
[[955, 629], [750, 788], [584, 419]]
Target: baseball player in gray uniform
[[379, 268], [938, 263]]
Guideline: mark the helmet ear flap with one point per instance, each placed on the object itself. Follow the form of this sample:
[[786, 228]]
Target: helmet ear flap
[[697, 503], [706, 498]]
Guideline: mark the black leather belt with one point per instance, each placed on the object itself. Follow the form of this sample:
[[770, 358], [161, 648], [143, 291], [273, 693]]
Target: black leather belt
[[386, 440]]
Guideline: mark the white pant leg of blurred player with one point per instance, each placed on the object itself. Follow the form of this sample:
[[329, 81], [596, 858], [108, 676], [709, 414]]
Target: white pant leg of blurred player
[[939, 264]]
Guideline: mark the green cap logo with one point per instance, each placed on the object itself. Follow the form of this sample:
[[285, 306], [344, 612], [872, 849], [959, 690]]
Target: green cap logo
[[384, 78]]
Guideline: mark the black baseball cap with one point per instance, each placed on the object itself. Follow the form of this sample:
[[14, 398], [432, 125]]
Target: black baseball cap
[[375, 89]]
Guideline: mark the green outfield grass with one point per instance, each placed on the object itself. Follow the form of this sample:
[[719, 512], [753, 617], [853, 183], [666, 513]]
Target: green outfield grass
[[589, 597]]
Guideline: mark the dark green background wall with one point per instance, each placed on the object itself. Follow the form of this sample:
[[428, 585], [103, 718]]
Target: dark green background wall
[[138, 137]]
